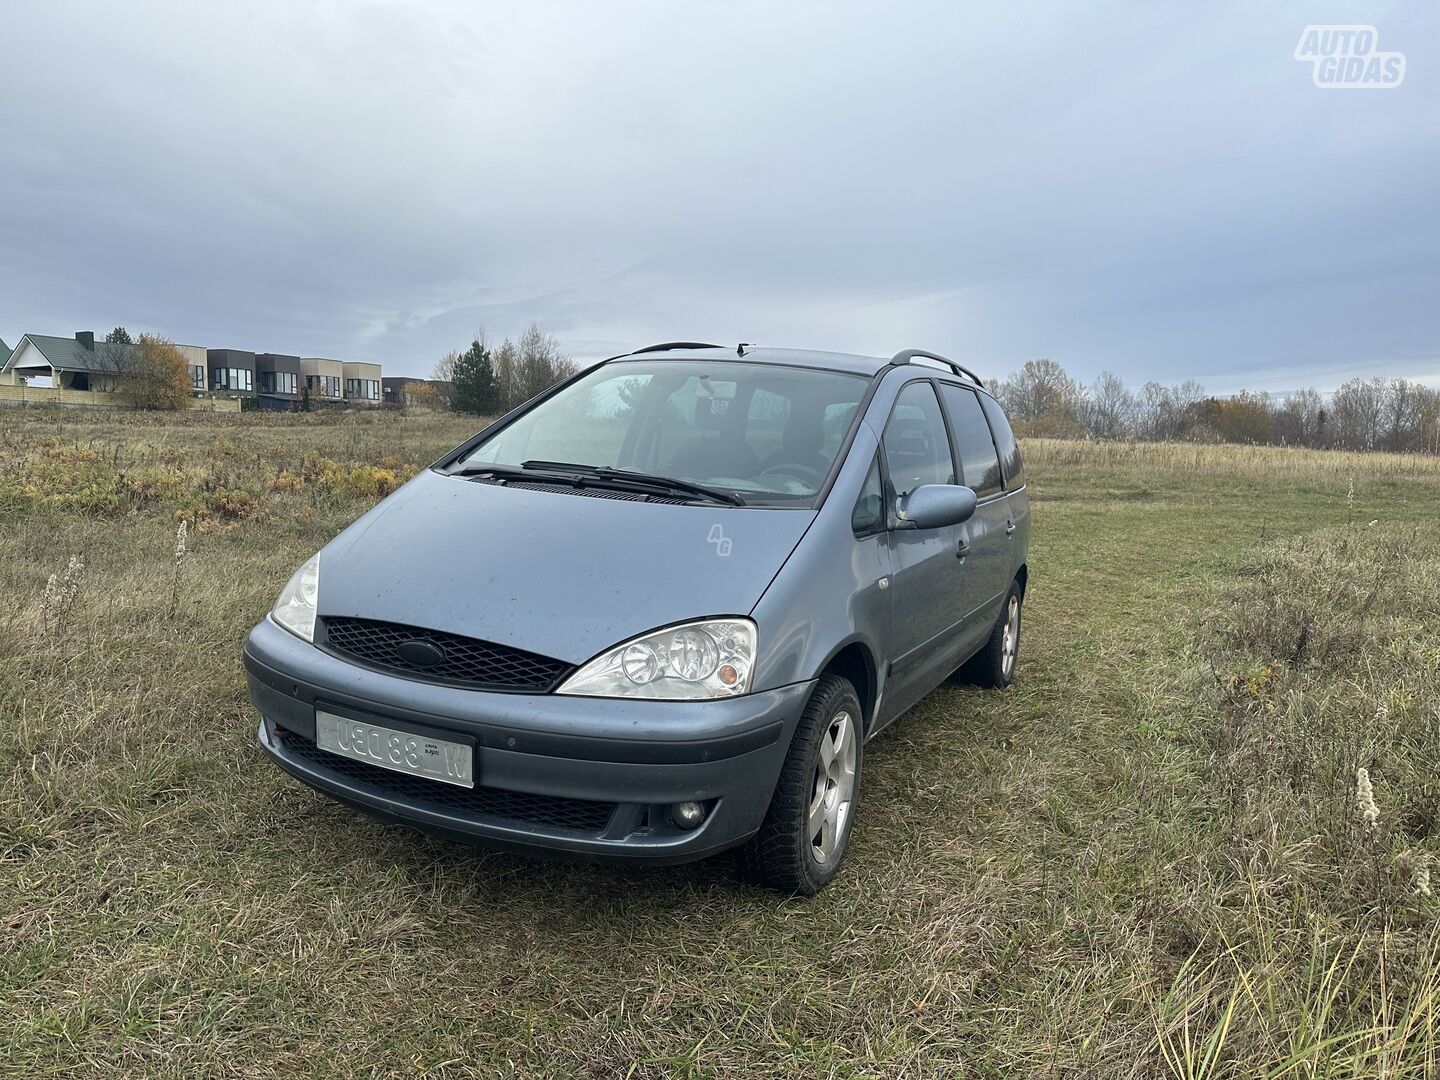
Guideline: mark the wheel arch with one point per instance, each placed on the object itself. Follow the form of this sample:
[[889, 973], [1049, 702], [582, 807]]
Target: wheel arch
[[854, 661]]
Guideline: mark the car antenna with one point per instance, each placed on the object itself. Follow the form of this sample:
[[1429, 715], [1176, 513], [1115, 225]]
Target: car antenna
[[740, 349]]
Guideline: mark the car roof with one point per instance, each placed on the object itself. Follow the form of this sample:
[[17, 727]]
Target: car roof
[[762, 354]]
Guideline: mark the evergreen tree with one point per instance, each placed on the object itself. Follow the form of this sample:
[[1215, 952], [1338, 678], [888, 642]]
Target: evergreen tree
[[477, 390], [118, 336]]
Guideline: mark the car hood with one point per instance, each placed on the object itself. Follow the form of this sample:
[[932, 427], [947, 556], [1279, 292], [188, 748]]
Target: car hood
[[558, 574]]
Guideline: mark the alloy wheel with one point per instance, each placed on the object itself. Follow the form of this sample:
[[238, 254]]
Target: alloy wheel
[[833, 793], [1010, 643]]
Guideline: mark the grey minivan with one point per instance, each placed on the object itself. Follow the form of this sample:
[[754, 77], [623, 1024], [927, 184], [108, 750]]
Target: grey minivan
[[657, 611]]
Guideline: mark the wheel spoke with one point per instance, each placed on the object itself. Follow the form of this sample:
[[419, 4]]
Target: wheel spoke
[[816, 818], [827, 836], [827, 749]]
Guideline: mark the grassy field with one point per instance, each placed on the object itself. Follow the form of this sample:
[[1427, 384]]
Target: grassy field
[[1156, 855]]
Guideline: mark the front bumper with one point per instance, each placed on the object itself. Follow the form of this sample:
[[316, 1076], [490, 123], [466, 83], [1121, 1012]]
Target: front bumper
[[589, 776]]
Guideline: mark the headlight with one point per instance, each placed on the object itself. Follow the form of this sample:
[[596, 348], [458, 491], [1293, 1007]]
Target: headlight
[[713, 658], [295, 609]]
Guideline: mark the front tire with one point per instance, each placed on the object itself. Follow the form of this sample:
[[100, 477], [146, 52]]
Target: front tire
[[806, 831], [994, 665]]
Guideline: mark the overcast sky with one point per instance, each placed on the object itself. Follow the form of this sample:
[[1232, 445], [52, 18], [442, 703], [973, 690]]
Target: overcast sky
[[1159, 190]]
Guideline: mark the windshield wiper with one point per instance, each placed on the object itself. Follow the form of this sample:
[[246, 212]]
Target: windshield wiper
[[651, 480], [563, 472]]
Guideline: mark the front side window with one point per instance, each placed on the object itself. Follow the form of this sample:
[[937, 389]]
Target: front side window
[[917, 447], [197, 377], [869, 513], [979, 463], [758, 430]]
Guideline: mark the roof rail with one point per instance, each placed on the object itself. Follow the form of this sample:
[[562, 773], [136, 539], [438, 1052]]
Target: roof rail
[[666, 346], [905, 356]]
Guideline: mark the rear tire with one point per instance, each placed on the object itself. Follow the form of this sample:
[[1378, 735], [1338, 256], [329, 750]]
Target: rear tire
[[806, 831], [994, 665]]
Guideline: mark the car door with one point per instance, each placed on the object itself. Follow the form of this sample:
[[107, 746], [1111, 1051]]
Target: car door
[[927, 582], [987, 563]]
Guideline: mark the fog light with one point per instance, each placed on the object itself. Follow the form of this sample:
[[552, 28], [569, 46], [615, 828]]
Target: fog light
[[688, 815]]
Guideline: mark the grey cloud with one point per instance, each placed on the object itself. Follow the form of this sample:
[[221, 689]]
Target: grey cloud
[[1161, 192]]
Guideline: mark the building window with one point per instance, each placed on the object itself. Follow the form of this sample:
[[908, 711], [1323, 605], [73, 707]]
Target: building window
[[197, 377], [277, 382], [364, 389], [220, 379]]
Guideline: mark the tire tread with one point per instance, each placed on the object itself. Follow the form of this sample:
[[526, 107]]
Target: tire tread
[[777, 855]]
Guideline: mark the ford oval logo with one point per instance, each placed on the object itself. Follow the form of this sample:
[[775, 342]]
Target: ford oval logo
[[421, 653]]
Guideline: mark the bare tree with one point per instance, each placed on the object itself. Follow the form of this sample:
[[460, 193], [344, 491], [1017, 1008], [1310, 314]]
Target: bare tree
[[539, 365], [1042, 398], [1296, 419], [507, 360], [1400, 414], [1110, 409], [445, 367], [1359, 407]]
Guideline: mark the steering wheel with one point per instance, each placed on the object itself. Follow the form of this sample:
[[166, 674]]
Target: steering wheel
[[804, 473]]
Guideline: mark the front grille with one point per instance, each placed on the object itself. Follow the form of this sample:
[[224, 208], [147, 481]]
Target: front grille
[[572, 489], [468, 662], [577, 815]]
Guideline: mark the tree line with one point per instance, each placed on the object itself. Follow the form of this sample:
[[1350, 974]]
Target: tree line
[[1363, 414], [486, 379]]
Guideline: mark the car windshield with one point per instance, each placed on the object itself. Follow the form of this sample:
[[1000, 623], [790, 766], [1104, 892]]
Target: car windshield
[[767, 432]]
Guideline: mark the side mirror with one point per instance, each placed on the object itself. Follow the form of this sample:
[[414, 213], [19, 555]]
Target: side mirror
[[933, 506]]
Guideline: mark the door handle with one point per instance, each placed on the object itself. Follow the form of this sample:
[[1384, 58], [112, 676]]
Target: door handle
[[962, 549], [1009, 528]]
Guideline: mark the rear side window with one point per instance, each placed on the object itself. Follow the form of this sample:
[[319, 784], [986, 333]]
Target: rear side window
[[917, 449], [1004, 442], [979, 461]]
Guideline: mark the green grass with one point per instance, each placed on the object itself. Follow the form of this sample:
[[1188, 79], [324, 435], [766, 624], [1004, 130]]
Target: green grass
[[1144, 859]]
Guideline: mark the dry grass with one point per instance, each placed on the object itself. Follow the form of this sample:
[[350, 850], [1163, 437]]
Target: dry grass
[[1146, 859], [1225, 460]]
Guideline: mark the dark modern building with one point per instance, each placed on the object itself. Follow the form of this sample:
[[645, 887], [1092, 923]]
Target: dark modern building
[[278, 380], [232, 371], [392, 389]]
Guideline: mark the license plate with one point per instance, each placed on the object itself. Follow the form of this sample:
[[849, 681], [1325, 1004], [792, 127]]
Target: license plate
[[402, 751]]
